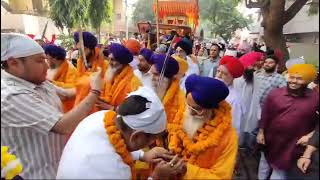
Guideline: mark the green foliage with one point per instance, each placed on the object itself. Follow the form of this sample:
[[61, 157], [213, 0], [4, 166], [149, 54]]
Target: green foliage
[[221, 17], [73, 13], [143, 11], [67, 41], [99, 11]]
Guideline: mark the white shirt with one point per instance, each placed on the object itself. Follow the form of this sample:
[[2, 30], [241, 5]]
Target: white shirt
[[89, 154], [238, 109], [134, 63], [145, 78], [193, 68], [28, 113]]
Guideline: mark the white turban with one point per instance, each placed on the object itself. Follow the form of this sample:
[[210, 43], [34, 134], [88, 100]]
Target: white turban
[[230, 52], [291, 62], [18, 45], [153, 120]]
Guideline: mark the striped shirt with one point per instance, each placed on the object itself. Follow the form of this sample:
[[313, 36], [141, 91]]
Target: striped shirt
[[268, 82], [28, 113]]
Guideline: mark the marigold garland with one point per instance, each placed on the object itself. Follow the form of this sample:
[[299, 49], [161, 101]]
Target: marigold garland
[[116, 139], [206, 137], [173, 102]]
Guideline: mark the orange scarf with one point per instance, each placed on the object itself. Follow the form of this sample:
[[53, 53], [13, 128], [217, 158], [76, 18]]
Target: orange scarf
[[174, 102], [66, 78], [97, 60], [115, 91], [83, 75]]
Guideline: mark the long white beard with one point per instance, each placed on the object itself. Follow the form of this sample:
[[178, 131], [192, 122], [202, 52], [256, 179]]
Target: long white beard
[[111, 72], [161, 91], [192, 123]]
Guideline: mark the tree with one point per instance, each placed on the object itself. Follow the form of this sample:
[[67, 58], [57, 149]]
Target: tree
[[221, 17], [68, 13], [143, 11], [275, 16], [99, 11]]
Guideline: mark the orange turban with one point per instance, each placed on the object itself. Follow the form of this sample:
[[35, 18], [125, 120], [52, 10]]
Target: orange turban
[[133, 46], [183, 65], [307, 71]]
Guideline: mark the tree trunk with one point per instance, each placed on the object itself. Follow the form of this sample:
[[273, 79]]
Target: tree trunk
[[98, 32], [273, 29], [276, 40]]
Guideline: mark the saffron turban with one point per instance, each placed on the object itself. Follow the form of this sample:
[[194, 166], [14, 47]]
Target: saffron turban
[[186, 45], [133, 46], [153, 120], [89, 40], [55, 51], [172, 66], [307, 71], [146, 53], [17, 45], [120, 53], [250, 59], [183, 65], [206, 92], [233, 65]]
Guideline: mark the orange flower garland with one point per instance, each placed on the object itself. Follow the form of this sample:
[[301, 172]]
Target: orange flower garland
[[208, 136], [116, 139]]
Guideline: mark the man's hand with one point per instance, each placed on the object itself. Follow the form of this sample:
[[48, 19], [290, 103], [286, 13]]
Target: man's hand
[[260, 138], [156, 155], [164, 169], [303, 140], [96, 81], [303, 164], [103, 105]]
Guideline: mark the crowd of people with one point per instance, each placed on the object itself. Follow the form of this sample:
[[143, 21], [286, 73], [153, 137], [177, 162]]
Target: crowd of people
[[126, 110]]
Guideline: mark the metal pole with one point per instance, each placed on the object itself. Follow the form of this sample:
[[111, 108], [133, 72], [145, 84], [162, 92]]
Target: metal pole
[[157, 18], [127, 23]]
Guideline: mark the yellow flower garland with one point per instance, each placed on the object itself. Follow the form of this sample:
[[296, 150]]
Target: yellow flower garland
[[6, 159], [208, 136]]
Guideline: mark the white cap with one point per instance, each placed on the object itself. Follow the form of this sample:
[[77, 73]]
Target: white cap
[[230, 52], [18, 45], [154, 119], [294, 61]]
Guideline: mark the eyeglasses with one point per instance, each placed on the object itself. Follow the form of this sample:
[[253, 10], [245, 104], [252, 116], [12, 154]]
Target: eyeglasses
[[198, 111]]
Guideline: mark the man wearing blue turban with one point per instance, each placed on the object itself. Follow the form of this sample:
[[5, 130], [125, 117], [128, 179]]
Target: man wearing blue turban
[[143, 72], [60, 72], [204, 137]]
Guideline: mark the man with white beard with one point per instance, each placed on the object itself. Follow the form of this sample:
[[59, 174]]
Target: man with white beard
[[119, 78], [204, 137], [168, 90]]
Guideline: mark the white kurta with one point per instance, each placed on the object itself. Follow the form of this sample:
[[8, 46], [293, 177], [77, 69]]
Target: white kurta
[[145, 78], [254, 110], [89, 155], [193, 68], [238, 109], [134, 63]]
